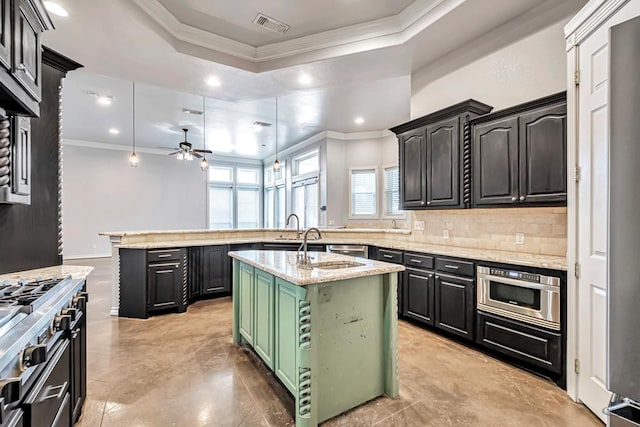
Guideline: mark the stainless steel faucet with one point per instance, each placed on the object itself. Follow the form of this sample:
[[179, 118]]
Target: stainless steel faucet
[[298, 232], [304, 262]]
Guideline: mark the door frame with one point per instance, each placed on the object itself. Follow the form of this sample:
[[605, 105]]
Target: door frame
[[582, 25]]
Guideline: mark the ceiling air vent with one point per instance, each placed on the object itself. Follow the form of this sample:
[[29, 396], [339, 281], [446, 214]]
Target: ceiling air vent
[[270, 24]]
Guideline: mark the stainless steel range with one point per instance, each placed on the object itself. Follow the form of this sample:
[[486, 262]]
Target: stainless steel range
[[40, 322]]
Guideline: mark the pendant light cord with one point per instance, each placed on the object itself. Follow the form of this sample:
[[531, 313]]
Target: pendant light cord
[[134, 117], [276, 128]]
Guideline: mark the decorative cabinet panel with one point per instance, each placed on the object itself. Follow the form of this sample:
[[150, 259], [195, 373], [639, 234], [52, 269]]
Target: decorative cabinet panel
[[263, 338], [215, 279], [6, 35], [543, 155], [413, 169], [246, 301], [165, 286], [434, 158], [455, 308], [419, 288], [520, 154], [495, 152], [15, 159], [27, 54], [443, 163]]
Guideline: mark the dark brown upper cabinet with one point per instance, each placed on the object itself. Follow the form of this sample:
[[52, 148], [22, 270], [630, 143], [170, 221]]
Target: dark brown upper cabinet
[[434, 158], [520, 155], [22, 23]]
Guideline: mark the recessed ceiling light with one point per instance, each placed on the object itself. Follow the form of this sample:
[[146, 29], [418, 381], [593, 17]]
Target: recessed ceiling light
[[114, 131], [56, 9], [305, 79], [359, 120], [214, 81]]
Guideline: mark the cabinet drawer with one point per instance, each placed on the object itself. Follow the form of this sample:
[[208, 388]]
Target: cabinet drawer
[[454, 266], [386, 255], [520, 341], [418, 260], [163, 255]]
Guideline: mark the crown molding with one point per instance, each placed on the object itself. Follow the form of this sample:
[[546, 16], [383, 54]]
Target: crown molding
[[376, 34], [589, 18], [114, 147]]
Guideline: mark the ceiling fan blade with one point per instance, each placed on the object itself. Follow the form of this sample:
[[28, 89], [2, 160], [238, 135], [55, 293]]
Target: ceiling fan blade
[[203, 151], [167, 148], [199, 156], [175, 152]]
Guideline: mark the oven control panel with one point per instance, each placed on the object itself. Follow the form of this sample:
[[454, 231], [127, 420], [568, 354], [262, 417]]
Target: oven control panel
[[516, 275]]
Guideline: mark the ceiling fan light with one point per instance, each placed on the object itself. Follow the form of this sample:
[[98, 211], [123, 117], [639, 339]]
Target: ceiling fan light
[[276, 166], [204, 165], [180, 156], [188, 156], [134, 160]]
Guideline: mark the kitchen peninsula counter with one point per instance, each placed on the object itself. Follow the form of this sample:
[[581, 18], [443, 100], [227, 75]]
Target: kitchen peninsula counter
[[330, 336]]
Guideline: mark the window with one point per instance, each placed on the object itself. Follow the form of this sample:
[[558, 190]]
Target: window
[[304, 202], [274, 197], [234, 197], [306, 164], [364, 201], [391, 197]]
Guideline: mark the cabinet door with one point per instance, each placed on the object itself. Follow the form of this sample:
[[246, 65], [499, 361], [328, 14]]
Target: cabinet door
[[455, 309], [495, 162], [263, 336], [413, 169], [443, 163], [27, 55], [215, 279], [245, 285], [165, 286], [21, 161], [543, 155], [288, 299], [79, 363], [6, 35], [419, 295]]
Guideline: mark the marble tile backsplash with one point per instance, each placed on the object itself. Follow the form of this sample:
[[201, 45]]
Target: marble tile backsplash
[[544, 229]]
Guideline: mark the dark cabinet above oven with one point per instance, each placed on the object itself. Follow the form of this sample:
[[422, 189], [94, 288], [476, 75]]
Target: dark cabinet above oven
[[434, 157], [520, 155]]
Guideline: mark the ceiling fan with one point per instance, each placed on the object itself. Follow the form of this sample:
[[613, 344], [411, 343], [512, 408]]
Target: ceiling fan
[[185, 150]]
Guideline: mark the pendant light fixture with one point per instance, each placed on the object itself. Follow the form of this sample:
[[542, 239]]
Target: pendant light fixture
[[276, 164], [134, 161], [204, 165]]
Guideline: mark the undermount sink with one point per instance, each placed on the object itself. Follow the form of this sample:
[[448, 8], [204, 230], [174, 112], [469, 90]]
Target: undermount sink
[[336, 265]]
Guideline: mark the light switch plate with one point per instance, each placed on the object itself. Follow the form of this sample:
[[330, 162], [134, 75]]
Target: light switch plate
[[519, 238], [418, 225], [445, 234]]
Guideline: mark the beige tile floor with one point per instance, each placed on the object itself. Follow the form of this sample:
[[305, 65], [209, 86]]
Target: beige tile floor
[[183, 370]]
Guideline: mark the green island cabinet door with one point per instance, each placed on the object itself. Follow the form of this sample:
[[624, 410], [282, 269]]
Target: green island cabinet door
[[245, 312], [289, 301], [263, 331]]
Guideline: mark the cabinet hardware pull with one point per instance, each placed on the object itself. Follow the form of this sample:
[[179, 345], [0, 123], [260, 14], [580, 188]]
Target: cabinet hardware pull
[[416, 260], [22, 67], [428, 203], [387, 256], [164, 271], [513, 199], [164, 256], [54, 392], [522, 198], [422, 203], [455, 267]]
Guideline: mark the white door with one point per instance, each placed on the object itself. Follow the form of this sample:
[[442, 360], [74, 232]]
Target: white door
[[593, 147]]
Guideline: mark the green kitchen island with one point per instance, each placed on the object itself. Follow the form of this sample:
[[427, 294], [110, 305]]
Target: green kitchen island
[[330, 334]]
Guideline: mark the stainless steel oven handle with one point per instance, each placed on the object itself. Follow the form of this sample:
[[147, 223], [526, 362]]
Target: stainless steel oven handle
[[519, 283], [54, 392]]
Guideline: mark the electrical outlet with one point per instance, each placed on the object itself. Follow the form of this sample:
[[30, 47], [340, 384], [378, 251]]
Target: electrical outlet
[[519, 238], [445, 234], [331, 222], [418, 225]]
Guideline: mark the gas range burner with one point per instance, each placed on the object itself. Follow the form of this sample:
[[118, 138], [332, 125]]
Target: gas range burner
[[25, 293]]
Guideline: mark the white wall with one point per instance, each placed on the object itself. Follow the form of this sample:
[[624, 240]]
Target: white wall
[[530, 68], [101, 192]]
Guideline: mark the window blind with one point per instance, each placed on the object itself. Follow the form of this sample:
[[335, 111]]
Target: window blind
[[363, 192]]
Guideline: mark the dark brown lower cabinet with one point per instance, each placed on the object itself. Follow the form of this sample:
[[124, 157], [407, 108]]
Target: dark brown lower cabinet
[[419, 295], [209, 272], [530, 344], [78, 367], [165, 285], [455, 308]]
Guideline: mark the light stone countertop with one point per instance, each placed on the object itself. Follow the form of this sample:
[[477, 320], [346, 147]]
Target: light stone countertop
[[245, 230], [283, 265], [503, 257], [78, 272]]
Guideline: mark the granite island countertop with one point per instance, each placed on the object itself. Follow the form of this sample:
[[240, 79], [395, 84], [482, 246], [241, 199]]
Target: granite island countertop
[[282, 264], [78, 272]]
